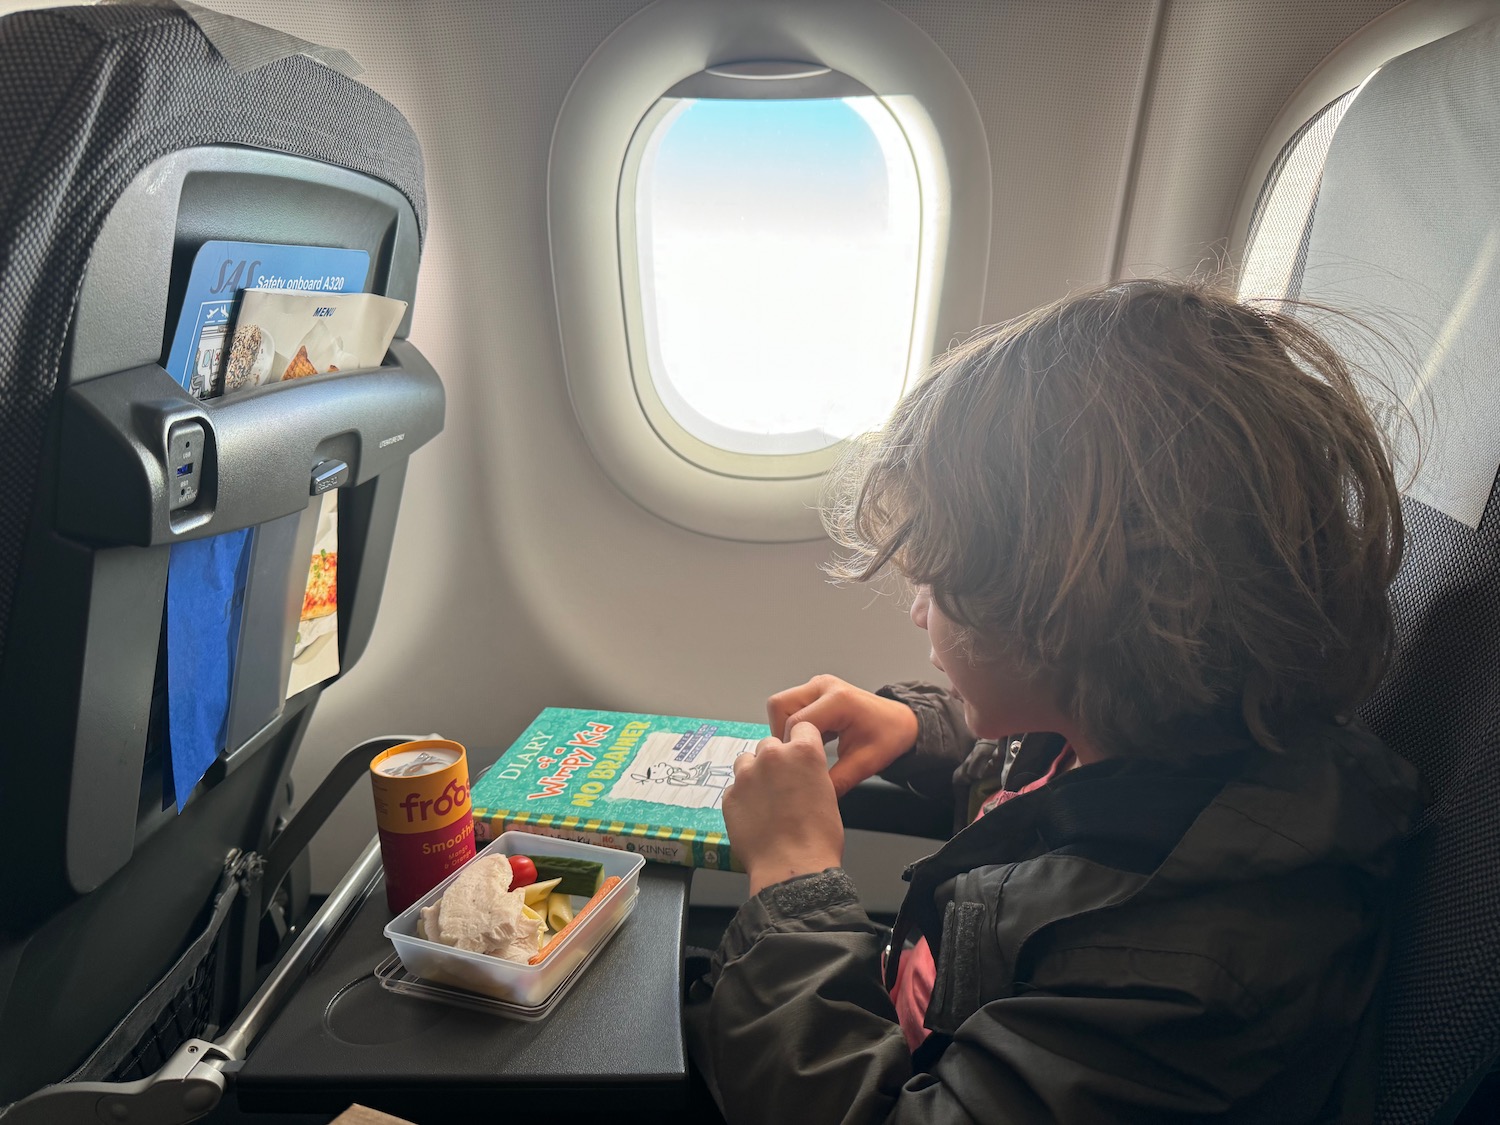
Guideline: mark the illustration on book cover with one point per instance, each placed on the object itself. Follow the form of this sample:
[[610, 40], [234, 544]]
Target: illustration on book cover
[[686, 770]]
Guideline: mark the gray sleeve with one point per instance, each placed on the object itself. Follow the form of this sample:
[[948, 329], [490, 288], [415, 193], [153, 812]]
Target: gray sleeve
[[944, 741], [792, 1022]]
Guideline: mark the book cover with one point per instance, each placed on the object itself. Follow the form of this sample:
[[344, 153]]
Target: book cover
[[651, 784]]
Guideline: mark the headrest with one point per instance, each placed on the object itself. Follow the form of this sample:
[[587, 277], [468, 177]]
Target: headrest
[[1406, 237]]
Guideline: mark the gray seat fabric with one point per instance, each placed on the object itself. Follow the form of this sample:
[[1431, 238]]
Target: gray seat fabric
[[1405, 236], [88, 97]]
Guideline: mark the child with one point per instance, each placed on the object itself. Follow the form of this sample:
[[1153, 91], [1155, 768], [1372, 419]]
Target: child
[[1158, 526]]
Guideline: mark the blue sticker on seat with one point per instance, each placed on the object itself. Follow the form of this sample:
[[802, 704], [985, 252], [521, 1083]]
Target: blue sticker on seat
[[205, 601]]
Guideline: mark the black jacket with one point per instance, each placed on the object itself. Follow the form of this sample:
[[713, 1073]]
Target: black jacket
[[1134, 941]]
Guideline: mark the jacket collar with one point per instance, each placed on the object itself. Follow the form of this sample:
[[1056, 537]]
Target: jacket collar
[[1122, 815]]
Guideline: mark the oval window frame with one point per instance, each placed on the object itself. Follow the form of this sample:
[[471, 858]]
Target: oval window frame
[[669, 46]]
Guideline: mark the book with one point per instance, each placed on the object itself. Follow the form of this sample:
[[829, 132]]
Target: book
[[651, 784], [221, 270]]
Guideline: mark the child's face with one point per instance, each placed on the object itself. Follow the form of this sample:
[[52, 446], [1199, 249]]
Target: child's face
[[998, 700]]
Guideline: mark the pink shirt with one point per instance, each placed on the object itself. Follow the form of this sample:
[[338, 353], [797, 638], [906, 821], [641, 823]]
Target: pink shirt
[[917, 972]]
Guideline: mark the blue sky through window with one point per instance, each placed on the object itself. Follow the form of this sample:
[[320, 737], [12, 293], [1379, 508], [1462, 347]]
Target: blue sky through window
[[726, 161], [777, 246]]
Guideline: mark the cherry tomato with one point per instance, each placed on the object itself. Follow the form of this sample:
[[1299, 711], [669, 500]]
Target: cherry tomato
[[522, 871]]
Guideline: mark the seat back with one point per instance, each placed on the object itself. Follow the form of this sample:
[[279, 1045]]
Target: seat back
[[130, 143], [1406, 236]]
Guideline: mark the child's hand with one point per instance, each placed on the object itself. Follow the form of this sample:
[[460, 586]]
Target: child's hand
[[781, 812], [872, 731]]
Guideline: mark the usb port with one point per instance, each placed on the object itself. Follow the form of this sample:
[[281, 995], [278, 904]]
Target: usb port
[[186, 444]]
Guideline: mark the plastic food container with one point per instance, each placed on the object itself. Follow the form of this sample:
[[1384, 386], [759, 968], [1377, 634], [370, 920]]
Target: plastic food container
[[396, 977], [526, 986]]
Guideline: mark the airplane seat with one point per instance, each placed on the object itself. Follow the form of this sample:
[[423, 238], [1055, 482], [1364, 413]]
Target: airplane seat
[[127, 926], [1405, 235]]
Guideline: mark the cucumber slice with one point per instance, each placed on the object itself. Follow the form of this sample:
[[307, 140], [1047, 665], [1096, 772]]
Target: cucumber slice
[[576, 876]]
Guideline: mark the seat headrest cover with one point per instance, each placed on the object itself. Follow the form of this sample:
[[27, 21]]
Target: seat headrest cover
[[1406, 236], [246, 45], [88, 97]]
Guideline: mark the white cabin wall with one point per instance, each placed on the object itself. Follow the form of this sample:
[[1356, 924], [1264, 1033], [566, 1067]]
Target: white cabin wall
[[1055, 83], [1225, 68]]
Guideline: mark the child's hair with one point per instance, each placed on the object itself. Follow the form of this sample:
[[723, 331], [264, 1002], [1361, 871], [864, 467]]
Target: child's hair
[[1166, 505]]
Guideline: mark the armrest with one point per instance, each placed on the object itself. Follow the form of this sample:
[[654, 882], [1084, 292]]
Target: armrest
[[878, 805]]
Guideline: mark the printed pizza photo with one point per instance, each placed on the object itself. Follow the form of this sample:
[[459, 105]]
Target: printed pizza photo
[[322, 596]]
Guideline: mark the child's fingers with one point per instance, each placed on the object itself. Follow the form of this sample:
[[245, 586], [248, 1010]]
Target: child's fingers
[[826, 714], [822, 701], [784, 704], [834, 709], [805, 736], [851, 769], [744, 762], [803, 750]]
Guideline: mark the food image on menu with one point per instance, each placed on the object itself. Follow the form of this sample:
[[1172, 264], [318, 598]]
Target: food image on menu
[[250, 356], [301, 367], [315, 650], [322, 596]]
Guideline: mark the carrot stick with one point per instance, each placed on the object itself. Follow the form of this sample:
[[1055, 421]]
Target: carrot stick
[[604, 889]]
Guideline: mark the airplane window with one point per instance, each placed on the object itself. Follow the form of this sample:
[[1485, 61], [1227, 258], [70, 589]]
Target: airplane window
[[776, 245], [757, 248], [1276, 246]]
